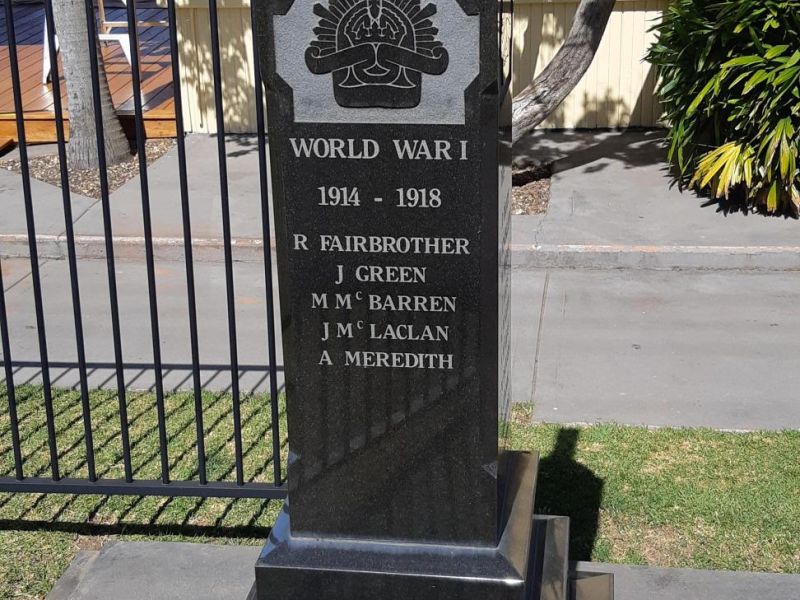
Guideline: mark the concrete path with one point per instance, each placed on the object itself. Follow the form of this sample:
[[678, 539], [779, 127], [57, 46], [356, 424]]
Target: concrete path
[[662, 348], [135, 324], [171, 571], [671, 313], [48, 212], [204, 194], [614, 204], [165, 204], [174, 325]]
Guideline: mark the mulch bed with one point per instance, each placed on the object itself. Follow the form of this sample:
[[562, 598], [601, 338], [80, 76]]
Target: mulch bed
[[87, 182], [531, 191]]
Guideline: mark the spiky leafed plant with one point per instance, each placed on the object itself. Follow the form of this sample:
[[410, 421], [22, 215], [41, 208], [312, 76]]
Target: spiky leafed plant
[[730, 85]]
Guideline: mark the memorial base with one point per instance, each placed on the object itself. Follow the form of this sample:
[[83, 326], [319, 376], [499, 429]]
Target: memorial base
[[294, 568]]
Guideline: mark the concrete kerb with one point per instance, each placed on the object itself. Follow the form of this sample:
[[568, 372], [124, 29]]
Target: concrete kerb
[[54, 247], [667, 257], [523, 256]]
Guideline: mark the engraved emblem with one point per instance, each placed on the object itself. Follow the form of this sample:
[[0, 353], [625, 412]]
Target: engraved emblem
[[377, 50]]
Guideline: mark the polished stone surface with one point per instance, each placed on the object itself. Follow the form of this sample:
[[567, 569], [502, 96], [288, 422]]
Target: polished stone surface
[[387, 240], [391, 184], [308, 568]]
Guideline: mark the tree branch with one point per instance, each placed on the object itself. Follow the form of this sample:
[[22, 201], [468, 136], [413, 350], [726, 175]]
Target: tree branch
[[535, 103]]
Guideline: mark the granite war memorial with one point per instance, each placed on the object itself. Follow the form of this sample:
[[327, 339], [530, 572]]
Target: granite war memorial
[[389, 134]]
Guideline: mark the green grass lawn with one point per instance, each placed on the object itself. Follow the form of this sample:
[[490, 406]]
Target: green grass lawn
[[672, 497], [687, 498]]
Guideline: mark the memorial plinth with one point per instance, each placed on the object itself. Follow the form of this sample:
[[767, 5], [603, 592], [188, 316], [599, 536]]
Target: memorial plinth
[[391, 183]]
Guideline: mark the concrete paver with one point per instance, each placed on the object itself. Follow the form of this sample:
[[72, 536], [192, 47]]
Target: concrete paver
[[165, 206], [133, 571], [47, 203], [667, 348], [615, 188], [15, 270], [135, 324], [204, 194], [527, 290], [639, 583]]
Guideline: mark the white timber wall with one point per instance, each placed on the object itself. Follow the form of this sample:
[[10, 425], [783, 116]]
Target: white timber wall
[[197, 75]]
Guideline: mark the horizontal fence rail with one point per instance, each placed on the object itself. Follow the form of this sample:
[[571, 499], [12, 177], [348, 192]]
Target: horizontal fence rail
[[121, 441]]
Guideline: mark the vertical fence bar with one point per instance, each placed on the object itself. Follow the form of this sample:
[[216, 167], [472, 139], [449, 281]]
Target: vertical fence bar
[[226, 232], [69, 230], [133, 33], [34, 254], [187, 241], [93, 47], [265, 234], [10, 389]]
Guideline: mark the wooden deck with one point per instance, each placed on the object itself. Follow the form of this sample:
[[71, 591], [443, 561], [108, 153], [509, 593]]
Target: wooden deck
[[37, 99]]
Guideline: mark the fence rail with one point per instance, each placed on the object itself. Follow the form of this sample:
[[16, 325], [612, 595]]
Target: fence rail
[[167, 484]]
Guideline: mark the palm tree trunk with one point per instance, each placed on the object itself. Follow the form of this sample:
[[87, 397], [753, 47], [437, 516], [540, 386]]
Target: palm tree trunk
[[70, 21]]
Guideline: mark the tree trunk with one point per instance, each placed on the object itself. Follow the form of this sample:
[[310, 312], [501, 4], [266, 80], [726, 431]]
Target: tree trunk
[[535, 103], [71, 28]]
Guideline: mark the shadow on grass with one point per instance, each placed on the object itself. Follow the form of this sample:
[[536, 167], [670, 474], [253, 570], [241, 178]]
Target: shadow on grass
[[149, 530], [143, 517], [568, 488]]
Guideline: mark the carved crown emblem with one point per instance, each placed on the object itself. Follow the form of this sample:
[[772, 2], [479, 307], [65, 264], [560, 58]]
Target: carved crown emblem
[[377, 50]]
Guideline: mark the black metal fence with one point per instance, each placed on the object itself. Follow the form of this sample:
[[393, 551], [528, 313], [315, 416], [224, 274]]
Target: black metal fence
[[200, 484]]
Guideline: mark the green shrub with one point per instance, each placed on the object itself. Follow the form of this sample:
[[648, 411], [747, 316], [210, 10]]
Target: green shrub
[[730, 85]]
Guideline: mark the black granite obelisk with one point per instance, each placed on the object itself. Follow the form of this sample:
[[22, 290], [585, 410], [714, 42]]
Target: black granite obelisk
[[391, 183]]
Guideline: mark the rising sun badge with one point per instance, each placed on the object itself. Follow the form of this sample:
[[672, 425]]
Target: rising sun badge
[[377, 50]]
